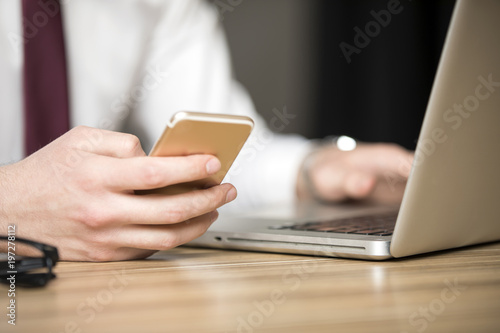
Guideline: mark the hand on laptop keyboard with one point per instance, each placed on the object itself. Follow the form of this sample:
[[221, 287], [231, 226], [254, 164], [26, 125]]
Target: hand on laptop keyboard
[[371, 171]]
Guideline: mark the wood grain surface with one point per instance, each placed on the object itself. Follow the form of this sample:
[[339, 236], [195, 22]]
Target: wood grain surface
[[202, 290]]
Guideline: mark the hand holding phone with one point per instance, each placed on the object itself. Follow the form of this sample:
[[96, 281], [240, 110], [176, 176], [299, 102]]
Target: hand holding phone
[[191, 133]]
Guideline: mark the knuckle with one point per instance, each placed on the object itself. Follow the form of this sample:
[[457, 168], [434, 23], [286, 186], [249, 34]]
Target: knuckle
[[84, 181], [152, 177], [81, 131], [206, 199], [131, 143], [201, 228], [93, 216], [169, 242], [75, 134], [101, 245], [97, 245], [176, 215], [83, 138]]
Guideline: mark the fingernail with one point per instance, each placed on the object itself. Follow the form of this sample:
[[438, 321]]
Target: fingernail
[[213, 166], [231, 195]]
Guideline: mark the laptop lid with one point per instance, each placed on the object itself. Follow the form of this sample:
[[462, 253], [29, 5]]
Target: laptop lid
[[452, 197]]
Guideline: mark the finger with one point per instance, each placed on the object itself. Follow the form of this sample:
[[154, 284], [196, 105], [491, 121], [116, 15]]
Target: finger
[[163, 237], [144, 173], [381, 159], [340, 184], [358, 185], [153, 209], [328, 182], [108, 254], [102, 142]]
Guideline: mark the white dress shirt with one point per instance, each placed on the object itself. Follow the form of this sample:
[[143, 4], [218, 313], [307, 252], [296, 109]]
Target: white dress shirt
[[131, 65]]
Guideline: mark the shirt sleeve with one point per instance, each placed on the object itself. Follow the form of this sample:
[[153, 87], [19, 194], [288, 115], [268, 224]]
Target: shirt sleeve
[[188, 67]]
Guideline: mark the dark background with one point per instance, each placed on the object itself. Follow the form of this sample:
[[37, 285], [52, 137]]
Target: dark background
[[287, 53]]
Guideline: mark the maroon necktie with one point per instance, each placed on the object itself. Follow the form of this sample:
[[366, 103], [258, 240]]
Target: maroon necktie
[[45, 82]]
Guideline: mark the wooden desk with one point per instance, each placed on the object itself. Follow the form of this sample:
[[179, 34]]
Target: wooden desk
[[198, 290]]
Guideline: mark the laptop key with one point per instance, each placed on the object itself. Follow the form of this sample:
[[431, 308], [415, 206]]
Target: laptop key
[[376, 225]]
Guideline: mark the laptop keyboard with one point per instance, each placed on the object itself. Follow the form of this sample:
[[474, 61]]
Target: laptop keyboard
[[376, 225]]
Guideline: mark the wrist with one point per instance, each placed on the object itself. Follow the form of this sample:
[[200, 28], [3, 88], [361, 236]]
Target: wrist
[[306, 189]]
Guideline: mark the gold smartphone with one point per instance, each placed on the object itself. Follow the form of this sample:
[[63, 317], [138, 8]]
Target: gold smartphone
[[190, 133]]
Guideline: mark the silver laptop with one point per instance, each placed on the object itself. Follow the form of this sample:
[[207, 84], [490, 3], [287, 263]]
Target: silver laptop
[[452, 197]]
